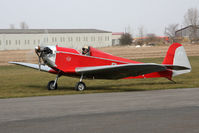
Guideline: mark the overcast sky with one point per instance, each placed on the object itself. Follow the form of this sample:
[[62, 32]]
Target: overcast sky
[[111, 15]]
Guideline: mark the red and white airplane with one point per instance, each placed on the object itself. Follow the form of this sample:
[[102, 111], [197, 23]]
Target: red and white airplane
[[99, 65]]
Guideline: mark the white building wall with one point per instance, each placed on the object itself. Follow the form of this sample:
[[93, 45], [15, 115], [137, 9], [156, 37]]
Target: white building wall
[[71, 40], [116, 39], [1, 42]]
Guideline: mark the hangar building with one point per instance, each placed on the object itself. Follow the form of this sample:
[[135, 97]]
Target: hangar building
[[15, 39], [188, 31], [116, 38]]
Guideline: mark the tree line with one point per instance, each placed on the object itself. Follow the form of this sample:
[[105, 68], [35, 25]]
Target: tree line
[[191, 18]]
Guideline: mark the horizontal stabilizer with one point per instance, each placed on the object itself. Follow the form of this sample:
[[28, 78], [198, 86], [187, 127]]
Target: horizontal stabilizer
[[176, 67]]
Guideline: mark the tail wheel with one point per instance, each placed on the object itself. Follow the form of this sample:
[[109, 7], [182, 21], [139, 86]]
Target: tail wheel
[[51, 85], [80, 86]]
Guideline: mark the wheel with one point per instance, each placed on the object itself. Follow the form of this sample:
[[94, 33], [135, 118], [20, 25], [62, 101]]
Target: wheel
[[51, 86], [80, 86]]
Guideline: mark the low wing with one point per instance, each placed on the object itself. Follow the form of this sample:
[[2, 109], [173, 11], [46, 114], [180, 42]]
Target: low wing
[[34, 66], [124, 70]]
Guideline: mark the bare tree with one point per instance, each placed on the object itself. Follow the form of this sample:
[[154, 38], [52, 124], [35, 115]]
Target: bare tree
[[151, 37], [141, 35], [12, 26], [23, 25], [191, 18], [141, 31], [128, 29], [170, 31]]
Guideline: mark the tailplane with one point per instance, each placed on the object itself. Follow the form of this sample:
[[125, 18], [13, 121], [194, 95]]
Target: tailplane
[[177, 57]]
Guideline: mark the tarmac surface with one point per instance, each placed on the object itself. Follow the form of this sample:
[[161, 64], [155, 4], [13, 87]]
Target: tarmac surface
[[158, 111]]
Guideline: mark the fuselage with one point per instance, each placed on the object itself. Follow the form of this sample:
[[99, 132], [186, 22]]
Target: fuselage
[[69, 60]]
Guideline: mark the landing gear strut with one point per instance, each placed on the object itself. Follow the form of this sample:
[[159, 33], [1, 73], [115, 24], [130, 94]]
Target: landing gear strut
[[52, 85], [80, 86], [172, 80]]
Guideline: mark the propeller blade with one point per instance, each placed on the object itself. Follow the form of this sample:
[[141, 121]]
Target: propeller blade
[[39, 63], [40, 48]]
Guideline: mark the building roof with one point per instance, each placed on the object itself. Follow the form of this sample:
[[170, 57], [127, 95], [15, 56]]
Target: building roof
[[117, 33], [187, 27], [50, 31]]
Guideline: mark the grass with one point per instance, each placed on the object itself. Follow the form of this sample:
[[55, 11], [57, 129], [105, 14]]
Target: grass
[[18, 81]]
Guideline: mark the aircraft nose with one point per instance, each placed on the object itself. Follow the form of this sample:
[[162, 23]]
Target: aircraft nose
[[37, 49]]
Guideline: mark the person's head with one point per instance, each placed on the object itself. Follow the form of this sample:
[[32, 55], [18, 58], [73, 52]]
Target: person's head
[[85, 49]]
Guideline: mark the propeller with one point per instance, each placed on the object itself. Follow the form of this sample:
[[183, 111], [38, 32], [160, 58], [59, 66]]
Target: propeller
[[39, 53], [40, 49]]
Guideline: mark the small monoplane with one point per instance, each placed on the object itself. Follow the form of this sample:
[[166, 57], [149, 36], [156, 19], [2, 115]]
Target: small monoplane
[[95, 64]]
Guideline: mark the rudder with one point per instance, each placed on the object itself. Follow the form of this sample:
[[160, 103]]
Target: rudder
[[177, 56]]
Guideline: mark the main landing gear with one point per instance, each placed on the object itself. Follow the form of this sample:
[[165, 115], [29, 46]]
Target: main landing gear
[[52, 85], [80, 86]]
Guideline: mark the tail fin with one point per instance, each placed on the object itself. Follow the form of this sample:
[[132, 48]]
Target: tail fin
[[176, 56]]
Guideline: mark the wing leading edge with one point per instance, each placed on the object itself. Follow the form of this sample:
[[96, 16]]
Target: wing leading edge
[[34, 66]]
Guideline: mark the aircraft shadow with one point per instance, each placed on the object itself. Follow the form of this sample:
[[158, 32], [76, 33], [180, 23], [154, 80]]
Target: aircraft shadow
[[122, 87], [125, 87]]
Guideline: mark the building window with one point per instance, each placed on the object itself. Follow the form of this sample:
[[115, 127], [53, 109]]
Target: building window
[[70, 39], [38, 42], [34, 42], [16, 42], [25, 42], [85, 38], [0, 42], [9, 42], [99, 38], [60, 39], [28, 41], [106, 38], [92, 38], [63, 39], [19, 42], [45, 40], [77, 38], [53, 39]]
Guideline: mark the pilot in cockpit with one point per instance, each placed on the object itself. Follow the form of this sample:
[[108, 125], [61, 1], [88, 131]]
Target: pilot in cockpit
[[86, 50]]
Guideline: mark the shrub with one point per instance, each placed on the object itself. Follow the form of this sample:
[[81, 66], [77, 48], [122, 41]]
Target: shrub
[[126, 39]]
